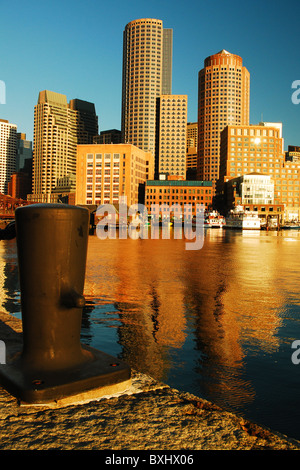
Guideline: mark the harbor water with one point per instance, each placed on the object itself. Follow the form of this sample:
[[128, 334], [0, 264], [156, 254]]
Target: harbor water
[[218, 322]]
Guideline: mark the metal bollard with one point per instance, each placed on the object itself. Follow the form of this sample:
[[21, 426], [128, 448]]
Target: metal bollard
[[52, 244]]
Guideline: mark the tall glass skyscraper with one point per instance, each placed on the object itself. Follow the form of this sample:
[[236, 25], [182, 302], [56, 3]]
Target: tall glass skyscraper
[[223, 99], [147, 73]]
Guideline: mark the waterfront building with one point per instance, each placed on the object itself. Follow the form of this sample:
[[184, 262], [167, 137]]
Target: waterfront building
[[108, 172], [58, 127], [258, 149], [147, 73], [8, 151], [223, 99], [171, 137], [255, 193], [181, 192]]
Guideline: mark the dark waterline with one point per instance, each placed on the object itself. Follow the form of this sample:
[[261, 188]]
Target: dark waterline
[[217, 322]]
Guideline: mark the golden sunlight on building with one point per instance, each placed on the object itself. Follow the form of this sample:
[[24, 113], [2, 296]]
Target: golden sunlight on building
[[106, 172]]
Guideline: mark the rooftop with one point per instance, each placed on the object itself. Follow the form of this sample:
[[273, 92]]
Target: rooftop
[[178, 183]]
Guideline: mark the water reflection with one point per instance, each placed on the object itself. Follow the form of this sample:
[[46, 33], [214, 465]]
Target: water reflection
[[218, 322], [9, 278], [212, 305]]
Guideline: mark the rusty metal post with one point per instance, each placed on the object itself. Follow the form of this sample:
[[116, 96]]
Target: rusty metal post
[[53, 364]]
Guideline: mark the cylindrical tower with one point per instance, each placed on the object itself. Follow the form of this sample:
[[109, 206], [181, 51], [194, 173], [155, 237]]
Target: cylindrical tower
[[223, 99]]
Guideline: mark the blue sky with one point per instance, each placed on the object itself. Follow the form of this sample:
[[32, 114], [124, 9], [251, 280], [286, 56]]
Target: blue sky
[[75, 48]]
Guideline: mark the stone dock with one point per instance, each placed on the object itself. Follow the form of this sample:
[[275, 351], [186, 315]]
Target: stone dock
[[148, 416]]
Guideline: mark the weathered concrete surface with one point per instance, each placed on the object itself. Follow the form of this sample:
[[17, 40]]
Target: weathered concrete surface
[[148, 416]]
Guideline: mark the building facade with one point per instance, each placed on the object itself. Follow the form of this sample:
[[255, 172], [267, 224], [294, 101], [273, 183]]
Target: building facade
[[106, 172], [191, 150], [111, 136], [246, 150], [8, 151], [86, 120], [255, 193], [167, 61], [171, 136], [24, 150], [58, 127], [223, 99], [183, 193], [293, 154], [146, 67]]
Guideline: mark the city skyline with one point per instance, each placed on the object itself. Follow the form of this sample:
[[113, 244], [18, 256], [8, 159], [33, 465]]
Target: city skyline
[[80, 55]]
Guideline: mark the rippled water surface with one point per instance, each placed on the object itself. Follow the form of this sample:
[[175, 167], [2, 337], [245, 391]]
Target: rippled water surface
[[217, 322]]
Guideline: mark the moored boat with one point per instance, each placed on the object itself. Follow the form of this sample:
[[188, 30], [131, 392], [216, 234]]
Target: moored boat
[[214, 220], [239, 219], [291, 226]]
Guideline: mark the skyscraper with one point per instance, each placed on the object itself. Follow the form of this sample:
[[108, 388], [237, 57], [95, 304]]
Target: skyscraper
[[58, 128], [171, 135], [147, 70], [191, 150], [24, 150], [223, 99], [87, 120], [167, 61], [8, 150]]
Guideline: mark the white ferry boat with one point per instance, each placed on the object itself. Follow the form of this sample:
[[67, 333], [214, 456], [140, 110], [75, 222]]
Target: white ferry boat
[[239, 219], [214, 220]]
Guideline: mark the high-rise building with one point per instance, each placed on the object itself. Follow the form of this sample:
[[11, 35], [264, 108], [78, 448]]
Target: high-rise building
[[191, 150], [147, 61], [8, 150], [58, 127], [171, 135], [248, 149], [24, 150], [257, 150], [110, 136], [87, 120], [223, 99], [167, 61], [106, 172]]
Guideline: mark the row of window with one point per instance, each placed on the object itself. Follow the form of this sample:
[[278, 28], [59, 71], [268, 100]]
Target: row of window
[[178, 191], [179, 198]]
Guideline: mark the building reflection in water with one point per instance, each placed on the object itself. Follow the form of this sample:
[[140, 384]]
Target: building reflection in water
[[208, 306], [9, 278], [234, 305], [189, 318]]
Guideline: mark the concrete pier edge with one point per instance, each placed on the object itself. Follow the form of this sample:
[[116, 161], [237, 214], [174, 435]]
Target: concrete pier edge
[[147, 415]]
